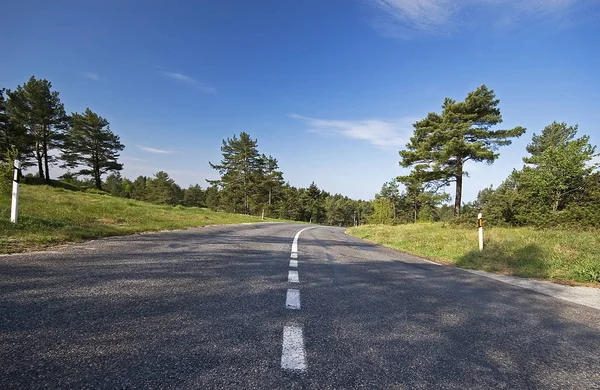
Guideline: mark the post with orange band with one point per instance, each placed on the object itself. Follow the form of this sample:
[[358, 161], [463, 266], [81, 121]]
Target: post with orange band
[[480, 227]]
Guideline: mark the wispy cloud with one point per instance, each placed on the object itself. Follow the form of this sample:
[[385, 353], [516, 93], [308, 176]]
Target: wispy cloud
[[191, 81], [91, 76], [132, 159], [405, 18], [154, 150], [383, 134]]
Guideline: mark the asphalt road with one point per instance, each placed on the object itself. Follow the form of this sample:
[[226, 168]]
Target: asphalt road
[[207, 308]]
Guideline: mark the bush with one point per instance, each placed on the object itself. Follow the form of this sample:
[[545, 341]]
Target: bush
[[7, 172]]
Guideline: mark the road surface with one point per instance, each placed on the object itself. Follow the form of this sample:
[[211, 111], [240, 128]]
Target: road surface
[[236, 307]]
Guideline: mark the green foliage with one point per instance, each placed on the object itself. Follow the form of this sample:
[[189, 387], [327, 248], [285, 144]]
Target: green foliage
[[557, 187], [137, 189], [240, 169], [39, 117], [270, 184], [383, 211], [91, 144], [7, 172], [212, 197], [12, 136], [114, 185], [193, 196], [558, 165], [161, 189], [443, 143], [420, 200]]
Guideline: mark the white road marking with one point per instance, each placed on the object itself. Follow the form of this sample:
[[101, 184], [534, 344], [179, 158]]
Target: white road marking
[[293, 355], [295, 242], [293, 263], [293, 277], [294, 256], [292, 300]]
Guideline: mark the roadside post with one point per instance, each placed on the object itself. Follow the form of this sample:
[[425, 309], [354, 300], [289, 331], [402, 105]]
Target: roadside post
[[480, 228], [14, 209]]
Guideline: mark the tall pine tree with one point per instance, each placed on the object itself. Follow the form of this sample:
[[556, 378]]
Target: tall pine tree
[[90, 143], [443, 143], [239, 170]]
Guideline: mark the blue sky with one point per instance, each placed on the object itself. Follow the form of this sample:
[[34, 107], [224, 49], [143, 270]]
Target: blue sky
[[329, 88]]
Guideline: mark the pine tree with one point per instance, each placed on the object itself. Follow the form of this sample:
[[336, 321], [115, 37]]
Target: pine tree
[[270, 183], [91, 143], [239, 169], [558, 165], [443, 143], [13, 137], [138, 189], [390, 191], [193, 196], [114, 184], [211, 197], [37, 109], [161, 189]]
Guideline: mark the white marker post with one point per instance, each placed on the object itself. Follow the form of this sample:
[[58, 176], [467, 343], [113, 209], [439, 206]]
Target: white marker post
[[14, 209], [480, 227]]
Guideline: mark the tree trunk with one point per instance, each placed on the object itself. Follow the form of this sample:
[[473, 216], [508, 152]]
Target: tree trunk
[[415, 214], [38, 157], [246, 205], [458, 195], [45, 145], [96, 168], [98, 182]]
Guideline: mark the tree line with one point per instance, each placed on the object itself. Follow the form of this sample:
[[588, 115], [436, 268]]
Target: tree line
[[558, 185], [35, 128], [250, 183]]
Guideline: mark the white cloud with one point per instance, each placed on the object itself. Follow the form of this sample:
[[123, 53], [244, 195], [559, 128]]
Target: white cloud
[[379, 133], [91, 76], [154, 150], [405, 18], [191, 81], [132, 159]]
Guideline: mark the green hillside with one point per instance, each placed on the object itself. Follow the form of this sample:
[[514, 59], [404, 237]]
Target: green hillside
[[53, 215], [554, 254]]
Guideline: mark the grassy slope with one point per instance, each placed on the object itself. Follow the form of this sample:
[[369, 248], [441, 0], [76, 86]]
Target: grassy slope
[[49, 216], [543, 254]]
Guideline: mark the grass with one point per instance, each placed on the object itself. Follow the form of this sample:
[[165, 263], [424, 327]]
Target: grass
[[560, 255], [55, 215]]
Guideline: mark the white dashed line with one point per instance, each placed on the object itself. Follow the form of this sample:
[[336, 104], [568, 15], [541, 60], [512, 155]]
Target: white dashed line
[[293, 277], [292, 301], [293, 263], [292, 355], [295, 242], [294, 255]]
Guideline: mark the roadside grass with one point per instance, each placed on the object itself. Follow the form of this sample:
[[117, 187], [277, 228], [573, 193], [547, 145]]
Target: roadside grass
[[571, 257], [54, 215]]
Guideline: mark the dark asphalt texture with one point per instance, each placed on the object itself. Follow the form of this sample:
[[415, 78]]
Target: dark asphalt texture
[[204, 308]]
